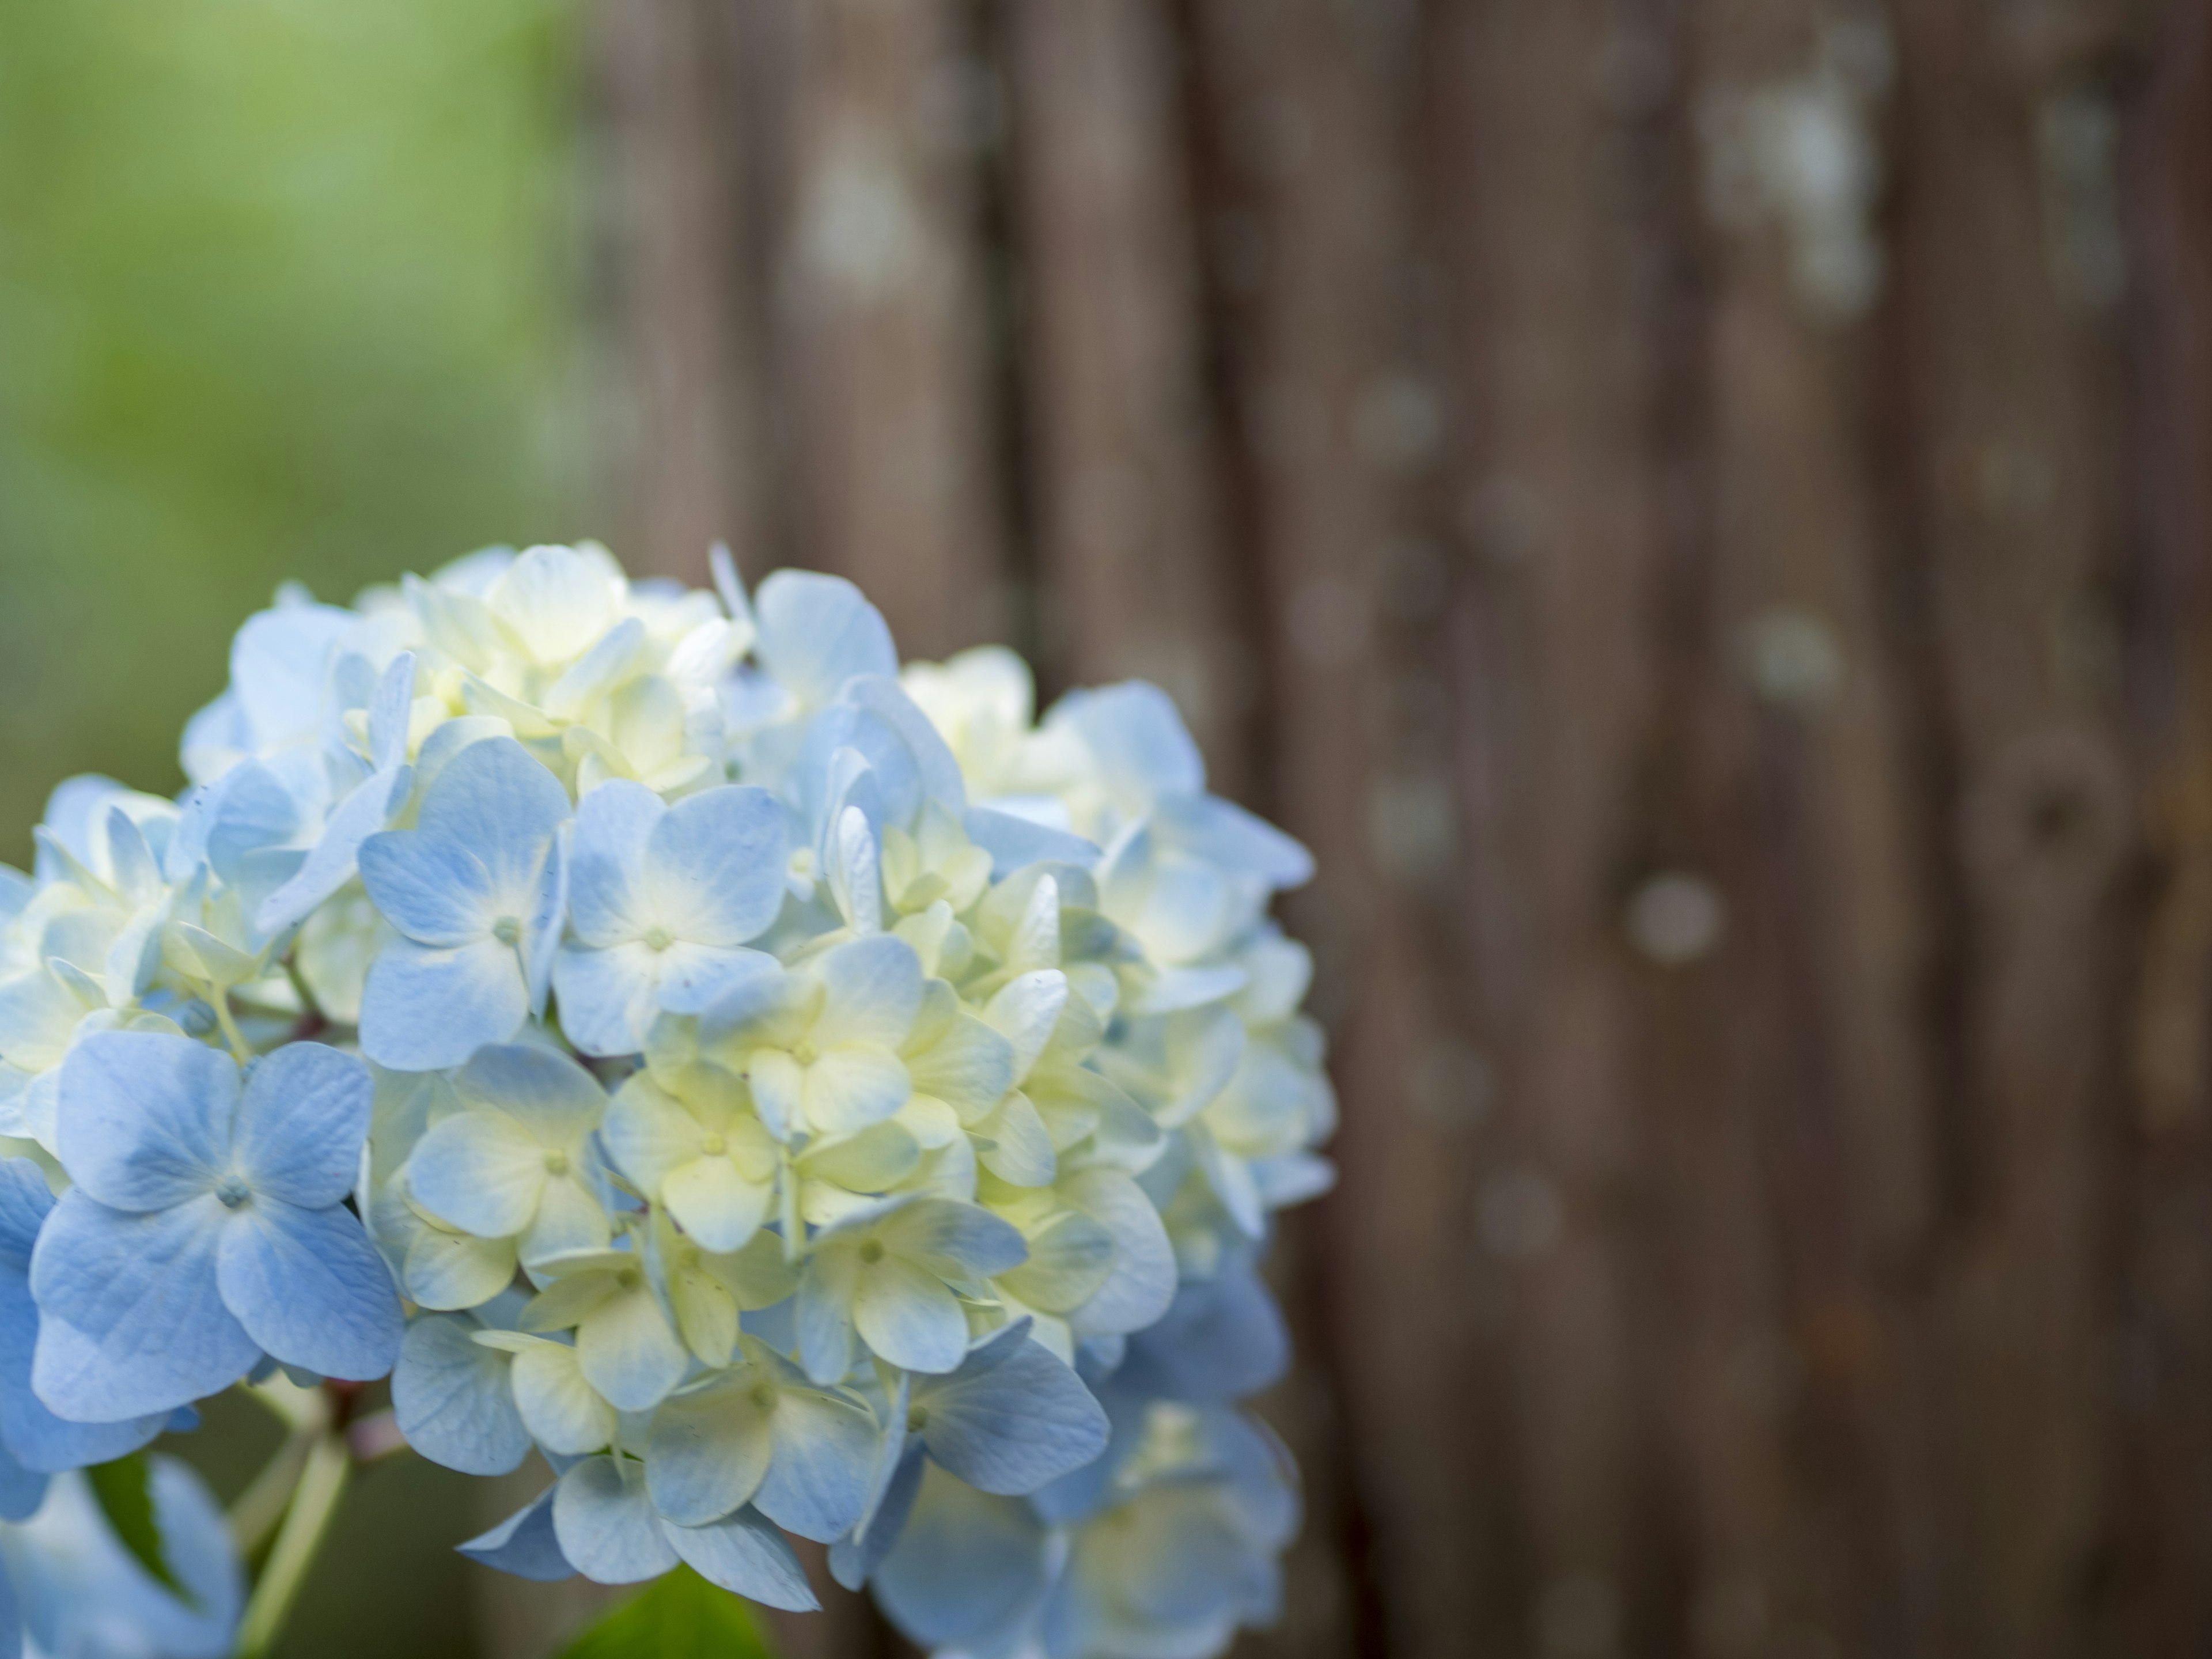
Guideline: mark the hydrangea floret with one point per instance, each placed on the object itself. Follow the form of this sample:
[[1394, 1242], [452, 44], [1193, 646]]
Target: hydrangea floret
[[790, 1093]]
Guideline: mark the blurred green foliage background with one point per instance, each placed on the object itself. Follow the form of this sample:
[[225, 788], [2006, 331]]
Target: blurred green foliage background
[[289, 289]]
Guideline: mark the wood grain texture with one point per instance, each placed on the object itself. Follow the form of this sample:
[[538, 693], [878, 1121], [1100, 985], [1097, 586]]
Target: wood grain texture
[[1697, 510], [1305, 216], [1129, 530], [878, 298], [684, 371]]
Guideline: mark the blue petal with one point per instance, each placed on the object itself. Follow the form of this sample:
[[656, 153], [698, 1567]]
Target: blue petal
[[391, 707], [1176, 1563], [146, 1117], [370, 805], [278, 661], [247, 811], [855, 1562], [817, 632], [131, 1318], [893, 1449], [434, 888], [1220, 832], [1084, 1491], [629, 1351], [606, 1522], [1138, 738], [493, 797], [764, 990], [854, 759], [823, 1314], [908, 1315], [548, 1093], [744, 1553], [819, 1481], [524, 1544], [196, 1541], [729, 584], [83, 1594], [1013, 842], [453, 1398], [21, 1491], [11, 1615], [697, 977], [309, 1287], [131, 860], [1222, 1339], [612, 827], [541, 926], [33, 1436], [967, 1564], [955, 1240], [24, 1205], [938, 770], [302, 1124], [708, 1450], [714, 869], [1011, 1417], [74, 806], [1142, 1283], [426, 1010], [609, 995]]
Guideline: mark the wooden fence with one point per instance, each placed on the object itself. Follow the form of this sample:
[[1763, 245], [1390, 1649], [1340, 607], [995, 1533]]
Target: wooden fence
[[1698, 512]]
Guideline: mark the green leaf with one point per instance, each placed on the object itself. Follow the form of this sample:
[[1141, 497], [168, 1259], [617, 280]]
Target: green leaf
[[680, 1616], [124, 1490]]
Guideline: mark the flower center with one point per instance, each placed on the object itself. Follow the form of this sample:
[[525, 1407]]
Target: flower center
[[658, 939], [764, 1398], [872, 1251], [804, 1053], [556, 1162], [506, 930], [233, 1192], [714, 1146], [917, 1419]]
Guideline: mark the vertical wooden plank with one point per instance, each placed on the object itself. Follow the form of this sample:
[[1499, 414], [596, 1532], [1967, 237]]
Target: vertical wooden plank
[[2008, 401], [1819, 1513], [1556, 672], [881, 368], [1836, 1275], [1305, 218], [2162, 1508], [1128, 512], [685, 362]]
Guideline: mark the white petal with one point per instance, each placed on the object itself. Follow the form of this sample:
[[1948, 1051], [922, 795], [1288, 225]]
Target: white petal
[[480, 1171]]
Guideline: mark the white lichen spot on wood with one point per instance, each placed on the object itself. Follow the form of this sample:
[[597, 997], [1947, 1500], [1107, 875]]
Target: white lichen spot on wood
[[1800, 153], [1675, 918]]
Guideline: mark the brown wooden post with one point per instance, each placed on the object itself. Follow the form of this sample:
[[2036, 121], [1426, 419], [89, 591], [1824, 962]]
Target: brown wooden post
[[683, 379], [882, 373], [1304, 216], [1129, 530], [1698, 513]]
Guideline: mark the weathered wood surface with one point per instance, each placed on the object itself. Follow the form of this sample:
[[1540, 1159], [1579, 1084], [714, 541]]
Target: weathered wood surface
[[1700, 512]]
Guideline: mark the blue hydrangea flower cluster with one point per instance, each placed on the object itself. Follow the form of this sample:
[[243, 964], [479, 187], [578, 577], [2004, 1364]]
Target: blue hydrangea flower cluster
[[791, 1093]]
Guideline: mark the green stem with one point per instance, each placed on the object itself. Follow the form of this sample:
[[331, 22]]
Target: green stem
[[308, 1003], [263, 1503], [228, 1021], [314, 1503]]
